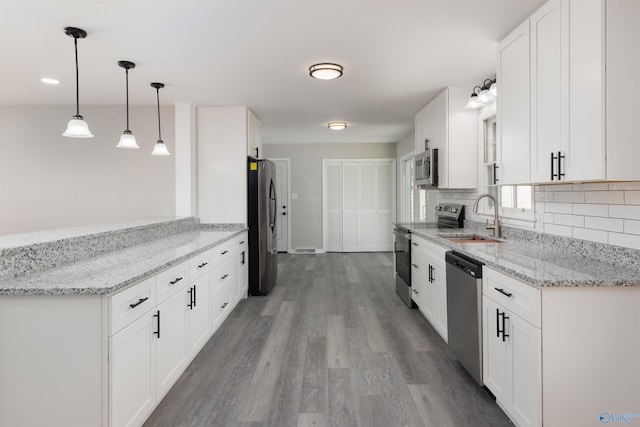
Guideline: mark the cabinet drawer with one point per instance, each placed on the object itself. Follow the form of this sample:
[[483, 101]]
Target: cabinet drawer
[[222, 301], [222, 274], [172, 280], [130, 304], [199, 264], [512, 294], [221, 253]]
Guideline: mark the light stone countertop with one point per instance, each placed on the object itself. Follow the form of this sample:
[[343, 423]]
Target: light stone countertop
[[535, 264], [113, 271]]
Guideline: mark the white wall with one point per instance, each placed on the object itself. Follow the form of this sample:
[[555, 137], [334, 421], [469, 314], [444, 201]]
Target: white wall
[[306, 181], [50, 181], [405, 146]]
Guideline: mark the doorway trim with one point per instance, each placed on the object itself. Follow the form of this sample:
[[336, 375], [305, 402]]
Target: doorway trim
[[289, 207]]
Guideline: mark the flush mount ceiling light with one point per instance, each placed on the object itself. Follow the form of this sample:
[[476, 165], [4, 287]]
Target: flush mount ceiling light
[[337, 125], [50, 81], [325, 71], [160, 149], [127, 140], [77, 127]]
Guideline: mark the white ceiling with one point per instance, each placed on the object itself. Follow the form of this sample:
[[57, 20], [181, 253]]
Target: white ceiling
[[397, 54]]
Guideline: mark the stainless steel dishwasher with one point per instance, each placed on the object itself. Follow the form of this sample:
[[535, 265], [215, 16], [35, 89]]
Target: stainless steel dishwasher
[[464, 311]]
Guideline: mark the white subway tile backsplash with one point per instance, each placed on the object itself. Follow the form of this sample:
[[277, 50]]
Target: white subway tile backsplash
[[624, 186], [560, 230], [631, 226], [626, 240], [607, 197], [548, 217], [607, 224], [591, 235], [632, 197], [543, 196], [571, 220], [590, 209], [601, 186], [559, 187], [569, 197], [624, 211], [564, 208]]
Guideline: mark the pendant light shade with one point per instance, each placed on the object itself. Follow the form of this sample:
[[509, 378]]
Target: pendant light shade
[[127, 140], [325, 71], [77, 127], [160, 149]]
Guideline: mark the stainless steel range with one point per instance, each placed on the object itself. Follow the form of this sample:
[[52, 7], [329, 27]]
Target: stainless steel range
[[448, 216]]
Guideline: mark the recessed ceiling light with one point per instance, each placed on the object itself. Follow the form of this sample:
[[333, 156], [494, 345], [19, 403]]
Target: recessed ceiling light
[[325, 71], [337, 125], [50, 81]]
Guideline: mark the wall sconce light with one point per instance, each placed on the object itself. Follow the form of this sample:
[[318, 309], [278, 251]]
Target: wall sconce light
[[483, 95], [337, 125], [77, 127], [127, 140], [325, 71], [160, 149]]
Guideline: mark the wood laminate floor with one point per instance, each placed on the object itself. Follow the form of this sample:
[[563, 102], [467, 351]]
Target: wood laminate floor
[[332, 345]]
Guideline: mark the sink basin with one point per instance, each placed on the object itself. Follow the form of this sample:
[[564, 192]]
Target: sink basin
[[469, 238]]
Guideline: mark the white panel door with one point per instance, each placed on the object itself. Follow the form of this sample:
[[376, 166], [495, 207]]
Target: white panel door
[[282, 208], [333, 202], [367, 210], [385, 197], [350, 206]]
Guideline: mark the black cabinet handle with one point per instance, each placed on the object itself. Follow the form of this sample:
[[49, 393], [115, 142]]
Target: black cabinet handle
[[173, 282], [414, 243], [241, 243], [195, 298], [157, 333], [242, 261], [497, 323], [191, 304], [504, 330], [553, 175], [416, 291], [560, 173], [223, 253], [224, 305], [495, 173], [431, 278], [414, 265], [203, 264], [140, 301], [503, 292], [224, 277]]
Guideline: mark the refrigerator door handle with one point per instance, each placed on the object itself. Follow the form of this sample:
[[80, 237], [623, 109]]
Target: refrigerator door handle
[[272, 206]]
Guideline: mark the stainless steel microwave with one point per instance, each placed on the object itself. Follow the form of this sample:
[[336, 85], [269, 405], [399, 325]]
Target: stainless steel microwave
[[426, 169]]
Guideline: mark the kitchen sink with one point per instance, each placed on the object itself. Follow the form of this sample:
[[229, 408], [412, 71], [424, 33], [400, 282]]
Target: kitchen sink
[[469, 238]]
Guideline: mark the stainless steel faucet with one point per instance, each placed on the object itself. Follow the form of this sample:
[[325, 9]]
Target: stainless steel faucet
[[497, 232]]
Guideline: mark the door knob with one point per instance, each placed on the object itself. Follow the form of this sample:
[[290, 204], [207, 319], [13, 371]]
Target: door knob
[[284, 213], [284, 207]]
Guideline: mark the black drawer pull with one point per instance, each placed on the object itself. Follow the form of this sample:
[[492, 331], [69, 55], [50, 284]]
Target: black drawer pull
[[173, 282], [157, 333], [203, 264], [241, 243], [224, 277], [224, 305], [503, 292], [414, 243], [414, 265], [224, 252], [191, 303], [140, 301]]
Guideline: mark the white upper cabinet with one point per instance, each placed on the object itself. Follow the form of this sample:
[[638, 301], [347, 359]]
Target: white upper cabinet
[[445, 124], [583, 85], [254, 139], [512, 74]]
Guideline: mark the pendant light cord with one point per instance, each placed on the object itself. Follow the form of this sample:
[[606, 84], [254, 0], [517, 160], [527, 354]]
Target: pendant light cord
[[127, 78], [75, 42], [158, 98]]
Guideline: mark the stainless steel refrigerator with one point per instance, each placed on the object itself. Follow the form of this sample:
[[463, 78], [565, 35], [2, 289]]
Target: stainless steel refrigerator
[[261, 220]]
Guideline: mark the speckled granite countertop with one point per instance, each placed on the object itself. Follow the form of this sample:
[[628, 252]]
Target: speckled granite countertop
[[113, 271], [535, 264]]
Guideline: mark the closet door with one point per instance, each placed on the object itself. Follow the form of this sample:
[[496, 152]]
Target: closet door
[[350, 206], [385, 196]]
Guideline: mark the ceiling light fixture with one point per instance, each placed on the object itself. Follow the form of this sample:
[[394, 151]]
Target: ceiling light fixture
[[325, 71], [473, 99], [160, 149], [127, 140], [50, 81], [483, 95], [77, 127], [337, 125]]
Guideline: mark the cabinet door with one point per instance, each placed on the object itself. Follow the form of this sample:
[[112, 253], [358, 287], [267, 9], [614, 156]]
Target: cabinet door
[[440, 301], [254, 140], [199, 322], [495, 352], [420, 130], [549, 89], [172, 346], [429, 296], [241, 272], [525, 368], [132, 376], [512, 75], [437, 134]]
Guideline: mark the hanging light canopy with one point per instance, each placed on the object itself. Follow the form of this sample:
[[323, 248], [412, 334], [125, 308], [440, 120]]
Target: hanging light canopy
[[127, 140], [325, 71], [337, 125], [160, 149], [77, 127]]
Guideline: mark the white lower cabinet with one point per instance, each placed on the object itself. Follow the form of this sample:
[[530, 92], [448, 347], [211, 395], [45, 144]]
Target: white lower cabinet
[[200, 327], [172, 343], [512, 346], [132, 372]]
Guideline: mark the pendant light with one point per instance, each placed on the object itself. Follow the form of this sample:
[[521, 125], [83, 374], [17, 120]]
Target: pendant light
[[77, 127], [127, 140], [160, 149]]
